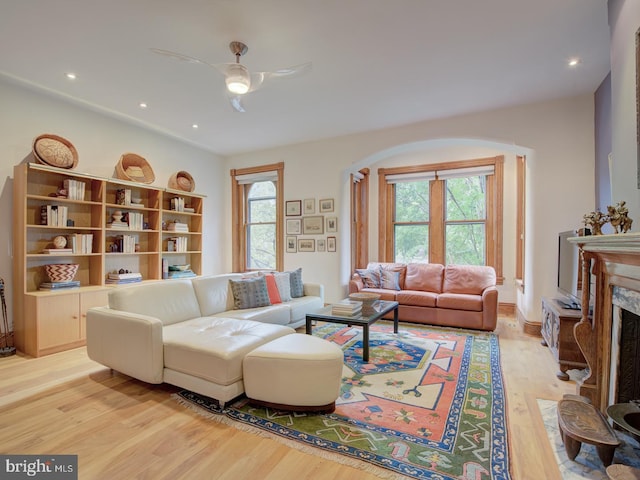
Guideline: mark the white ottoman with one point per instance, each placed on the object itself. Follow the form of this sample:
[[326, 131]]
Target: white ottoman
[[294, 372]]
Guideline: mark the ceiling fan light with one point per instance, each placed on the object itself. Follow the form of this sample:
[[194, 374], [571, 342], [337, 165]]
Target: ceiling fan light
[[238, 80]]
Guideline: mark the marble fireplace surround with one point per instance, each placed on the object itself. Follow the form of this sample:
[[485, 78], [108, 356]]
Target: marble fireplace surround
[[611, 280]]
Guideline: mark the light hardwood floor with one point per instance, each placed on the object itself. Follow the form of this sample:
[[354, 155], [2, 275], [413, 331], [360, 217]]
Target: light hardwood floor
[[125, 429]]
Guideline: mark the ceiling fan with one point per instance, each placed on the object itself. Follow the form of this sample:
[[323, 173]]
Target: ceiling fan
[[238, 79]]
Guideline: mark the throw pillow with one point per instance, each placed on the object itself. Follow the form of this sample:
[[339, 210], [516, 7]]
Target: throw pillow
[[272, 289], [284, 285], [250, 293], [389, 279], [370, 278], [295, 281]]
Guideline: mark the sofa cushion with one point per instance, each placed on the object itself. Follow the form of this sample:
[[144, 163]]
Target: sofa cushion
[[295, 281], [370, 277], [170, 301], [250, 293], [272, 289], [389, 279], [213, 348], [279, 314], [214, 292], [460, 301], [284, 285], [426, 277], [417, 298], [394, 267], [471, 279]]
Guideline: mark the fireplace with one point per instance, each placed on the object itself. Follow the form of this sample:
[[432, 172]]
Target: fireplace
[[608, 332]]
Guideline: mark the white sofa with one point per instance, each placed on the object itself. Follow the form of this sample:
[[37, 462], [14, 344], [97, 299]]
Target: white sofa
[[187, 333]]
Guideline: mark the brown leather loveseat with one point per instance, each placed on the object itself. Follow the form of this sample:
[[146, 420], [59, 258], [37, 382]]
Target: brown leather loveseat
[[463, 296]]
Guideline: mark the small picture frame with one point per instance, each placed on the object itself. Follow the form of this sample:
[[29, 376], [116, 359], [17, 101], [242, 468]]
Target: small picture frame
[[293, 208], [292, 244], [294, 226], [326, 205], [332, 224], [313, 225], [306, 245], [331, 244], [321, 245], [309, 206]]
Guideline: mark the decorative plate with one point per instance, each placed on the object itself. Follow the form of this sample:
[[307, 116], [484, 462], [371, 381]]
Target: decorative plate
[[55, 151]]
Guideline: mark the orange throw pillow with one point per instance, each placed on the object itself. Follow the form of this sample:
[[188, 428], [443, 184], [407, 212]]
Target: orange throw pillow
[[272, 289]]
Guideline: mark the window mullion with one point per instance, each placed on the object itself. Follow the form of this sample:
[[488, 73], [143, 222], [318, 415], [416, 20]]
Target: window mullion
[[436, 224]]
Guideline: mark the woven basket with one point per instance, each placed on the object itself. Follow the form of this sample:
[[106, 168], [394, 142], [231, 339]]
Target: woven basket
[[61, 272], [55, 151], [134, 168], [182, 181]]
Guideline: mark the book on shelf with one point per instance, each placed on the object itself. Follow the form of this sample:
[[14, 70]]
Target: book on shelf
[[118, 225], [59, 285], [80, 242], [177, 204], [75, 189], [177, 244], [177, 227], [124, 276], [123, 196], [57, 251], [122, 281], [135, 220], [180, 273], [53, 215], [189, 210]]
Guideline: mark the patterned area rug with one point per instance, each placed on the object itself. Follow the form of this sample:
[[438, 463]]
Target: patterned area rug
[[587, 465], [429, 404]]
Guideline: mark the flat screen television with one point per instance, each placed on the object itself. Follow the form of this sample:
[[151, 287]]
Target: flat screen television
[[569, 271]]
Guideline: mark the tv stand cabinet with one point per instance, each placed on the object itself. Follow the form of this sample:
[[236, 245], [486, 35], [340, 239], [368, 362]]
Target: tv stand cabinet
[[557, 334]]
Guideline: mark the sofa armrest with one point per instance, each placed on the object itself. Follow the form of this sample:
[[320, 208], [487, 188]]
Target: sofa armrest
[[355, 284], [490, 308], [314, 289], [127, 342]]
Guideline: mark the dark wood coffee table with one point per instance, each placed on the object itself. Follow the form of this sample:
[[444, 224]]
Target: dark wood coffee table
[[381, 308]]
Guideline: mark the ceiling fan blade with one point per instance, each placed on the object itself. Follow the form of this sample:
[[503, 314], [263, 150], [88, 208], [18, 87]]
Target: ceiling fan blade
[[236, 103], [179, 56], [259, 78]]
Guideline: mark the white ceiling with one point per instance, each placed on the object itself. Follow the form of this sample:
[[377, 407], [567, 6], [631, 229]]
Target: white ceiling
[[376, 63]]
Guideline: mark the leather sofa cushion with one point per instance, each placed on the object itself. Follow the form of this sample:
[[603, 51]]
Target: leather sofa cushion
[[426, 277], [470, 279], [417, 298], [460, 301], [170, 301], [213, 348]]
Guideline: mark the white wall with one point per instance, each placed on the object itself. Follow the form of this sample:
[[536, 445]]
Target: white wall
[[557, 137], [100, 141], [624, 21]]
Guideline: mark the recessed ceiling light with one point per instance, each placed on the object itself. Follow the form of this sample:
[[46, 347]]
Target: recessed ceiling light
[[574, 62], [143, 105], [71, 76], [195, 125]]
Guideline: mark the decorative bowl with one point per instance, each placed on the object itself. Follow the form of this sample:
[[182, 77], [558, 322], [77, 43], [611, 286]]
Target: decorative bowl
[[61, 272], [55, 151], [134, 168], [367, 299], [179, 268], [182, 181]]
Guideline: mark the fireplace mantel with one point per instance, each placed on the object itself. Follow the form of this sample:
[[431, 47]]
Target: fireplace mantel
[[607, 261]]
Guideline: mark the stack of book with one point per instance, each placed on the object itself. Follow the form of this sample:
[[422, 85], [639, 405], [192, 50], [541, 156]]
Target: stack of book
[[58, 251], [123, 278], [178, 271], [346, 308], [135, 220], [177, 227], [59, 285], [177, 204], [81, 242]]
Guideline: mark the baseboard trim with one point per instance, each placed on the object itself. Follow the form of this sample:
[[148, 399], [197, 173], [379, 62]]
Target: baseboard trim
[[506, 309], [528, 328]]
